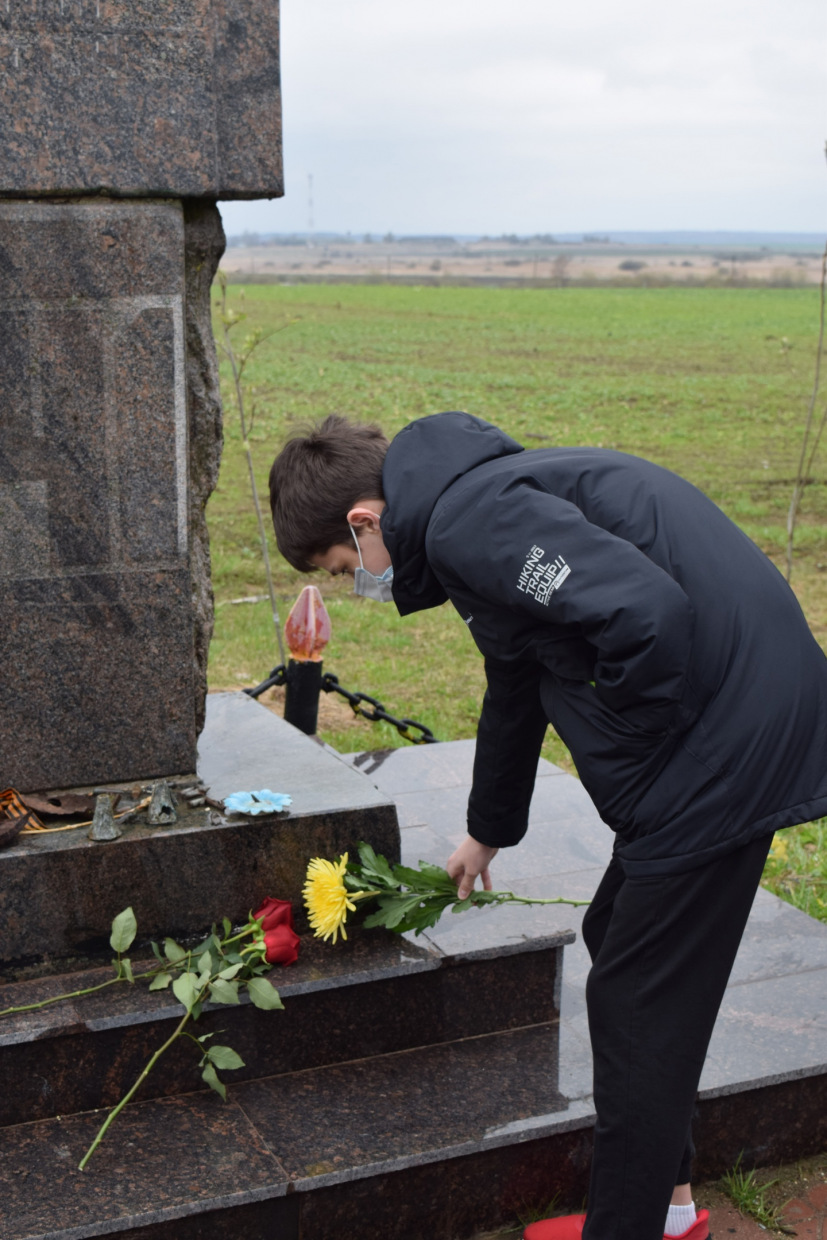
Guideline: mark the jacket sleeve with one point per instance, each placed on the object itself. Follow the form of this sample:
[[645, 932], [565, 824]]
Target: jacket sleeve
[[510, 733], [525, 550]]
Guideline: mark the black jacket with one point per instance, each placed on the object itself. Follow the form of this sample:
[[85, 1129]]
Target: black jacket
[[612, 598]]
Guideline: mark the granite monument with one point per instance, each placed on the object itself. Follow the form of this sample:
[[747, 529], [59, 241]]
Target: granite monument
[[121, 124]]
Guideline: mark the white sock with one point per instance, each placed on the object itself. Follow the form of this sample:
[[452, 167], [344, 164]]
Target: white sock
[[679, 1219]]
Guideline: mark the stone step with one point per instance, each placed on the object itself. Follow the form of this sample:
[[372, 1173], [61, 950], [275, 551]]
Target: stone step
[[763, 1090], [436, 1143], [432, 1142], [374, 994], [59, 892]]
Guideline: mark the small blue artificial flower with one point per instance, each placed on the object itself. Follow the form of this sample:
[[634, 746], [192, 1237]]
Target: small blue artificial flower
[[263, 802]]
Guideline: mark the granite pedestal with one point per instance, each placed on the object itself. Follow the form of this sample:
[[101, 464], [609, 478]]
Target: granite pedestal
[[420, 1088], [352, 1088], [138, 98], [95, 624], [121, 124], [105, 607], [59, 892]]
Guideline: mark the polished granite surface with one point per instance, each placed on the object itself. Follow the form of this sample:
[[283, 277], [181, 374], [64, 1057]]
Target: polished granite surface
[[401, 1110], [400, 1139], [375, 994], [164, 1160], [772, 1026], [59, 891]]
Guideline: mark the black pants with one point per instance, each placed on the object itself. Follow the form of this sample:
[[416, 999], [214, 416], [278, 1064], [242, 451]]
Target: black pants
[[662, 950]]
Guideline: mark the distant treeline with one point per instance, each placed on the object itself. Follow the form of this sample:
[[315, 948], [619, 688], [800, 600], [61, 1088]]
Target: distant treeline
[[702, 240]]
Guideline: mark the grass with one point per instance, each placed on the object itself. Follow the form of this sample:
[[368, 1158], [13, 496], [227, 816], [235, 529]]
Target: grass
[[711, 382], [797, 867], [529, 1214], [750, 1196]]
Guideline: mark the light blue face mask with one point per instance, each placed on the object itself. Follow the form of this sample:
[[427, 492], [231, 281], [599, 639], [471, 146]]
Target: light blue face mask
[[368, 584]]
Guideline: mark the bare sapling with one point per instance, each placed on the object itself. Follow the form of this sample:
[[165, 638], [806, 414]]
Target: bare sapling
[[238, 360]]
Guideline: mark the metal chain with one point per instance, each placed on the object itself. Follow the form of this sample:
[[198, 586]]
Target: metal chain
[[330, 684], [278, 676], [378, 714]]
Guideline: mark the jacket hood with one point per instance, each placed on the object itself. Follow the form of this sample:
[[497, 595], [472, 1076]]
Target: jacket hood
[[422, 462]]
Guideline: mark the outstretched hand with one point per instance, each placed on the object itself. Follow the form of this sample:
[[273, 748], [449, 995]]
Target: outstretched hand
[[470, 861]]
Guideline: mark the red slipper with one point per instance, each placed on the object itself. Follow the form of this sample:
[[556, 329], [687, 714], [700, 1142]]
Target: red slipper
[[698, 1231], [567, 1227], [570, 1227]]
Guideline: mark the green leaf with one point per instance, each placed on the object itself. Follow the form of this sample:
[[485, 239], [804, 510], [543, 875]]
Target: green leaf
[[440, 878], [173, 951], [376, 918], [231, 971], [205, 967], [161, 981], [395, 909], [209, 942], [489, 897], [264, 994], [461, 905], [205, 1037], [210, 1076], [357, 879], [223, 992], [156, 951], [124, 929], [227, 924], [126, 969], [197, 1008], [225, 1058], [186, 989], [435, 880], [401, 912], [374, 862]]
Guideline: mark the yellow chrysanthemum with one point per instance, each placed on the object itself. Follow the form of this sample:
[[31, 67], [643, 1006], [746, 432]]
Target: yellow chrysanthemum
[[326, 898]]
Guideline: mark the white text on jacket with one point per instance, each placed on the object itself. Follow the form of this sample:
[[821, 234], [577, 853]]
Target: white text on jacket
[[540, 577]]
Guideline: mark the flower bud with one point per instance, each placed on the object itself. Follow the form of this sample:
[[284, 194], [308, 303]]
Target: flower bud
[[281, 945]]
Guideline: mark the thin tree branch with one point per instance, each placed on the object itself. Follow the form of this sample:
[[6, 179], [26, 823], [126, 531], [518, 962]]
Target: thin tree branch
[[804, 469], [237, 365]]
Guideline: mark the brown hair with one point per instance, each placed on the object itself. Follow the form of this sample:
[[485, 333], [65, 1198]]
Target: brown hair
[[315, 481]]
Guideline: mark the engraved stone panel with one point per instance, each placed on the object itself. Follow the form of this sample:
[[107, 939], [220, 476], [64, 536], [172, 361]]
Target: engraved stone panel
[[96, 629], [24, 529], [140, 97]]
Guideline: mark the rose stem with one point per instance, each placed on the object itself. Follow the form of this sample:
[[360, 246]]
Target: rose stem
[[105, 1125], [74, 994]]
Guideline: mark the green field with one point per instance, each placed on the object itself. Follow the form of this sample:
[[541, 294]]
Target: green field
[[713, 383]]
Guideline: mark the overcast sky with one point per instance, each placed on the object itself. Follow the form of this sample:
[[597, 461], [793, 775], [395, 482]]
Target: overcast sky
[[491, 116]]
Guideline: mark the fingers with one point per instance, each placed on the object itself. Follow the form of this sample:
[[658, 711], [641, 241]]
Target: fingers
[[453, 867], [463, 875], [468, 863], [466, 885]]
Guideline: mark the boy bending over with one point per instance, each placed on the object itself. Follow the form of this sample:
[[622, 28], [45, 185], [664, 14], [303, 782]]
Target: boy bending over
[[611, 598]]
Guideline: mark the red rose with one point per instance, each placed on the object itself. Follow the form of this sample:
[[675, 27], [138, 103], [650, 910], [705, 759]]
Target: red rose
[[282, 943], [275, 913]]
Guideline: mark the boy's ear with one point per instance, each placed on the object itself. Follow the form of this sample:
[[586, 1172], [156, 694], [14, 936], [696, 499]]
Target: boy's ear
[[363, 517]]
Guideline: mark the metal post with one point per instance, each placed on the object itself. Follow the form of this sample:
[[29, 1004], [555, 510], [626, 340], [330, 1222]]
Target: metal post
[[301, 700]]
